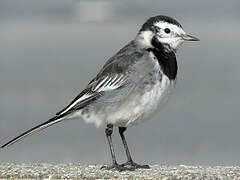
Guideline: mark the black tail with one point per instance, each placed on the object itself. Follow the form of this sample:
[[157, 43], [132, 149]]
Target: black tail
[[46, 124]]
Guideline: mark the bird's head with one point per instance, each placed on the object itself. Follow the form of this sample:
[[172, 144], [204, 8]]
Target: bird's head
[[162, 32]]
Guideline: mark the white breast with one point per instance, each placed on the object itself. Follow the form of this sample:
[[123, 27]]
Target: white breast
[[152, 101]]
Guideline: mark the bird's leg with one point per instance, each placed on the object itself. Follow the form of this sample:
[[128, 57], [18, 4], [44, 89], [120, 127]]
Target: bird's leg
[[132, 165], [115, 165], [121, 131]]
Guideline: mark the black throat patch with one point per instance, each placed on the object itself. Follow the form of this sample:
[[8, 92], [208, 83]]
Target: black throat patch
[[166, 59]]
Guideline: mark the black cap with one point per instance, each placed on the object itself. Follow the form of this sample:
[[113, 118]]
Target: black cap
[[152, 20]]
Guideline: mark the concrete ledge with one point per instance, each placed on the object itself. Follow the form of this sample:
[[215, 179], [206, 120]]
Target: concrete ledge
[[79, 171]]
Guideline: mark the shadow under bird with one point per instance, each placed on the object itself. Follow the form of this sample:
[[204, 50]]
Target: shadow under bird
[[130, 87]]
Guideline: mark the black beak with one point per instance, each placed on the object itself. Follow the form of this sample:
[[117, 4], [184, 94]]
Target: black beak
[[187, 37]]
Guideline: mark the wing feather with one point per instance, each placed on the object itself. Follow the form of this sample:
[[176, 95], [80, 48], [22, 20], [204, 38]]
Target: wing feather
[[93, 91]]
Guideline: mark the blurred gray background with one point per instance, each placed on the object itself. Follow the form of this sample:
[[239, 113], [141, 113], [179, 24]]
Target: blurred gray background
[[50, 49]]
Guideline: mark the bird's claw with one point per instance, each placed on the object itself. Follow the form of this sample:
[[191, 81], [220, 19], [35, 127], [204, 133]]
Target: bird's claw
[[114, 166], [128, 166], [132, 166]]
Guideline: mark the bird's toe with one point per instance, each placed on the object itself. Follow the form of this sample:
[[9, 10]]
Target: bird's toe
[[132, 166], [116, 167]]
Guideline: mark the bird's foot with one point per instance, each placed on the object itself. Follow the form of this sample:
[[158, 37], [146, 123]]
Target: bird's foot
[[130, 165], [116, 167]]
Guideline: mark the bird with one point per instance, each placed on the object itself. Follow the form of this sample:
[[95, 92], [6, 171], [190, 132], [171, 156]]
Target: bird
[[131, 86]]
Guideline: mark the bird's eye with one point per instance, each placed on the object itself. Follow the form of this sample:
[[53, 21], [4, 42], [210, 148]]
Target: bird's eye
[[167, 30]]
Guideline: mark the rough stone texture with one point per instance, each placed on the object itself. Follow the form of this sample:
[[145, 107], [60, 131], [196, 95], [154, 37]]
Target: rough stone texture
[[79, 171]]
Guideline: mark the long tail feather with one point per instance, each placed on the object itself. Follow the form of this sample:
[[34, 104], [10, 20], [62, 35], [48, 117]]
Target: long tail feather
[[39, 127]]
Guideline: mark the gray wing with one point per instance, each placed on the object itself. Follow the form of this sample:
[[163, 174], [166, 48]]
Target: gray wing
[[97, 89], [112, 83]]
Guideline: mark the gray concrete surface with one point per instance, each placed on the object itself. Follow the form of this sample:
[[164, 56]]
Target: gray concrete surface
[[79, 171]]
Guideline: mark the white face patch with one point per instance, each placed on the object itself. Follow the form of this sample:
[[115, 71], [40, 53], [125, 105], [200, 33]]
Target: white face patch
[[173, 28], [172, 39]]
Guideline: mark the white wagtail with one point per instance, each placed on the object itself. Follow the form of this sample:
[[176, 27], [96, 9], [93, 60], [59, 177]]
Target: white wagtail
[[130, 87]]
